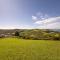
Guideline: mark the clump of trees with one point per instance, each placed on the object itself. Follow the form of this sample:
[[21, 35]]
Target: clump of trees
[[16, 33]]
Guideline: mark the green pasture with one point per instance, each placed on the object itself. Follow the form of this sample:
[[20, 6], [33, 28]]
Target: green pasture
[[20, 49]]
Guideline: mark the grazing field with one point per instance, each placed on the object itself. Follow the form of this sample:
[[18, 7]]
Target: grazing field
[[20, 49]]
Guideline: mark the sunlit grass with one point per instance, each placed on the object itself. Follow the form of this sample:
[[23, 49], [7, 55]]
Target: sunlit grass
[[20, 49]]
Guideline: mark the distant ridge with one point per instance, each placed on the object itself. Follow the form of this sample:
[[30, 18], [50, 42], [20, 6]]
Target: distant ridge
[[58, 30]]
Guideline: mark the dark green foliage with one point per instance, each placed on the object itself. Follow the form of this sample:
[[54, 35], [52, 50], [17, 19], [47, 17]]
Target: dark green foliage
[[16, 33]]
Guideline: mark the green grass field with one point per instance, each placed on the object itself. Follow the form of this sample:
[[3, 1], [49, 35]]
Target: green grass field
[[19, 49]]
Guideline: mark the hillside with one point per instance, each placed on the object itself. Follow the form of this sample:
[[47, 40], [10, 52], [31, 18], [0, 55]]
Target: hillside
[[39, 34]]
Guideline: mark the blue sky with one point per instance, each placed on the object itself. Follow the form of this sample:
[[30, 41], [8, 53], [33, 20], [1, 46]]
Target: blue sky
[[43, 14]]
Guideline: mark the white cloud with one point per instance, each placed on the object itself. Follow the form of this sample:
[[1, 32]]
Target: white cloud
[[16, 27], [44, 21], [50, 23], [42, 16], [34, 18], [39, 16]]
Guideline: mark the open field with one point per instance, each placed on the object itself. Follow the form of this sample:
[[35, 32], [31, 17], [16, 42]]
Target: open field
[[19, 49]]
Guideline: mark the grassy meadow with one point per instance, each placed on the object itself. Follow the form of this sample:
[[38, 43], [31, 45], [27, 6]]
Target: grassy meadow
[[20, 49]]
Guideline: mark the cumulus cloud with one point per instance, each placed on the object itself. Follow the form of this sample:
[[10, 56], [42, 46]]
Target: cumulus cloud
[[50, 23], [44, 21]]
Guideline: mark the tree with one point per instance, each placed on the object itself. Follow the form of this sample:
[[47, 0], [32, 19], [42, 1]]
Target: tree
[[16, 33]]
